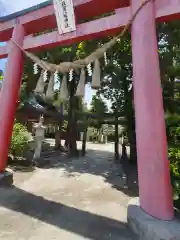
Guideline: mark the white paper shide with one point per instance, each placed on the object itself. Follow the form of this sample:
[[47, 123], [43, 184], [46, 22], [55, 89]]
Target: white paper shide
[[64, 11]]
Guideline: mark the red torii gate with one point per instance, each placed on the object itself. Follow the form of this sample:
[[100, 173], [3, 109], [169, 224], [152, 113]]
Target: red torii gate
[[154, 178]]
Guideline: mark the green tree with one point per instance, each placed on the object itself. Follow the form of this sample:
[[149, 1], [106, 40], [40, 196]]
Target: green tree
[[117, 88], [98, 106], [169, 53]]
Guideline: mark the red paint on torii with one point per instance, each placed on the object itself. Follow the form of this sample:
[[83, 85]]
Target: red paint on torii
[[84, 9], [34, 21], [154, 178]]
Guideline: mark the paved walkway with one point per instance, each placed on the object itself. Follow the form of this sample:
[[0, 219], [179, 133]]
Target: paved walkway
[[74, 200]]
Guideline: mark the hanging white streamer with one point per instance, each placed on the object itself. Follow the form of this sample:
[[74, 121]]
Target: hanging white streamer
[[35, 68], [89, 69], [56, 77], [71, 75], [105, 58], [45, 75]]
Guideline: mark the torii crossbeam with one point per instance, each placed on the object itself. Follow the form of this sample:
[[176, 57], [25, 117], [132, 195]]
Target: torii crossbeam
[[154, 178], [33, 22]]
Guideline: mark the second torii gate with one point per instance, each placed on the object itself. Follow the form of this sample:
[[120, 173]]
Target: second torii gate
[[154, 178]]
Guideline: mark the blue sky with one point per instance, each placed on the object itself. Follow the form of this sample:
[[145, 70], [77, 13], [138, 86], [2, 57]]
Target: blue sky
[[2, 61], [11, 6]]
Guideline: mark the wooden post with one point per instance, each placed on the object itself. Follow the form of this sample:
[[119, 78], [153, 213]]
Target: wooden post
[[116, 145], [154, 178], [84, 142]]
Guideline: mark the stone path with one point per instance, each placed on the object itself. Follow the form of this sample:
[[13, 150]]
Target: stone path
[[74, 200]]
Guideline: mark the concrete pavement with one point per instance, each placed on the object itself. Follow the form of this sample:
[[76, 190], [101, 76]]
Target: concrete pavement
[[74, 200]]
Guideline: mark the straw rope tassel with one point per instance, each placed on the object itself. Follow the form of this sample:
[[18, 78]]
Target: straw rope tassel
[[81, 86], [50, 89], [63, 95], [40, 84], [96, 77]]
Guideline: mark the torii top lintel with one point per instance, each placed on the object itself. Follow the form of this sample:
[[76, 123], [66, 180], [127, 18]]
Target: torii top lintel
[[44, 18]]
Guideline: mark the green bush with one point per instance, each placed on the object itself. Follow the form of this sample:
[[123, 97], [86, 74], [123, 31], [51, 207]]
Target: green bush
[[20, 140], [174, 157]]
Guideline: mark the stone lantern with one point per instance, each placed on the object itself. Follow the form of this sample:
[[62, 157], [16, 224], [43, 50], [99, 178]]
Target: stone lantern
[[39, 137]]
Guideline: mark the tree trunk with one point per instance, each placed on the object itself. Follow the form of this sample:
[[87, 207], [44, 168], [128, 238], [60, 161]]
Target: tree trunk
[[58, 136], [132, 141], [129, 114], [72, 123], [116, 156], [73, 152], [84, 143]]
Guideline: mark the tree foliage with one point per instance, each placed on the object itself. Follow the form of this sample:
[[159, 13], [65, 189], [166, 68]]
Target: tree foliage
[[98, 106], [169, 53]]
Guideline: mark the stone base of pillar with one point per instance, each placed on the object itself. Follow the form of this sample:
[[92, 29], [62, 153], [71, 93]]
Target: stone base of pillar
[[149, 228], [6, 178]]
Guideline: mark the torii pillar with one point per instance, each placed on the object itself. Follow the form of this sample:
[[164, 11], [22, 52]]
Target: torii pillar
[[154, 178], [9, 93]]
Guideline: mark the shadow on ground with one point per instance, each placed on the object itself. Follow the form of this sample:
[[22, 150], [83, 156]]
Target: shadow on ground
[[68, 218], [100, 163]]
